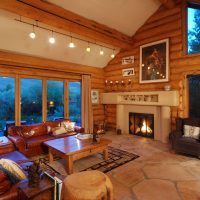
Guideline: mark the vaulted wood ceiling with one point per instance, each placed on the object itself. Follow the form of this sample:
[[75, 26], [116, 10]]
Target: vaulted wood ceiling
[[109, 22]]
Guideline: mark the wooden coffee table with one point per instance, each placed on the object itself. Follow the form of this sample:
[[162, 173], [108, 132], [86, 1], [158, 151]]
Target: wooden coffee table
[[73, 149]]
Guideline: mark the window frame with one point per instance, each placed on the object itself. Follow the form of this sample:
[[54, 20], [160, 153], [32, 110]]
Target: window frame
[[44, 79], [185, 5]]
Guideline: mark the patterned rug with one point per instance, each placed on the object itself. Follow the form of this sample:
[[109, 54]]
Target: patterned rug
[[116, 158]]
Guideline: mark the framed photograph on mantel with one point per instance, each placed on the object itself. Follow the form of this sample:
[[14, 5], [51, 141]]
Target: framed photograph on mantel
[[154, 62]]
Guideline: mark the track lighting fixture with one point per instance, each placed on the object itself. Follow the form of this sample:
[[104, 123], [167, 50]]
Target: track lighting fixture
[[101, 51], [88, 49], [71, 44], [113, 54], [52, 39], [32, 35]]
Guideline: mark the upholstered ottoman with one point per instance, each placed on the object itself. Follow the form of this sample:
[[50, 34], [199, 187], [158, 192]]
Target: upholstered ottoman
[[88, 185]]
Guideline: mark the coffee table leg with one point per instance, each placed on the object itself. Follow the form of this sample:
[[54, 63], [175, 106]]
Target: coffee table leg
[[105, 153], [69, 165], [50, 156]]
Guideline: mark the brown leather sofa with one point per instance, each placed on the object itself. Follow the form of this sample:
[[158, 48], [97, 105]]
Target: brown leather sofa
[[29, 139], [182, 144], [9, 191]]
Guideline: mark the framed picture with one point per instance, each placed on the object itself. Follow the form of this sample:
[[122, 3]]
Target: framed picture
[[128, 72], [128, 60], [154, 62], [95, 96]]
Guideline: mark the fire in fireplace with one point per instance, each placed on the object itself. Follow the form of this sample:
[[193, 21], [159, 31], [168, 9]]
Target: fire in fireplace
[[141, 124]]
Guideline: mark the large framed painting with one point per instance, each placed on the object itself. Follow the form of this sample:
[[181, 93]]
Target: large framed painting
[[154, 62]]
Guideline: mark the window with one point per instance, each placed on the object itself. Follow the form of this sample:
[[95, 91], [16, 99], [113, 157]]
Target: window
[[193, 27], [27, 96], [194, 95], [75, 102], [31, 100], [7, 102], [55, 99]]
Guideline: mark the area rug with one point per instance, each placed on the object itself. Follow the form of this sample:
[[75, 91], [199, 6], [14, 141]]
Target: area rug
[[116, 158]]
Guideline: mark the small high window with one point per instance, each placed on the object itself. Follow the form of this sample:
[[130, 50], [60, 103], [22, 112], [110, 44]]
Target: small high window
[[193, 27]]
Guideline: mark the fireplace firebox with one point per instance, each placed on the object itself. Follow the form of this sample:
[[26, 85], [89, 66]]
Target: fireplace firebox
[[141, 124]]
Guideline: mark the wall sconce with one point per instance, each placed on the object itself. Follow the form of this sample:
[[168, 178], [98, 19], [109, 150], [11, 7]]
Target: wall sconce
[[117, 85]]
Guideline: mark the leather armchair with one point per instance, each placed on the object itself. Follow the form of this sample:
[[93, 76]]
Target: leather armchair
[[9, 191], [182, 144]]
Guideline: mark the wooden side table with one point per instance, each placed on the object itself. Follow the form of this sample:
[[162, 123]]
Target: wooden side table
[[6, 145], [43, 191]]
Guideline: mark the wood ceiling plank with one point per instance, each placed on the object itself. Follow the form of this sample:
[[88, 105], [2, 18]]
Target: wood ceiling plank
[[168, 3], [58, 17]]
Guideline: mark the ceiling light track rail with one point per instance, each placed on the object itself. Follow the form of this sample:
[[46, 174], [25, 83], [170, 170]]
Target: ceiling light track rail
[[104, 31], [71, 45]]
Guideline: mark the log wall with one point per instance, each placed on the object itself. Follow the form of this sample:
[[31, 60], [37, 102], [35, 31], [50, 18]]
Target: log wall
[[164, 23]]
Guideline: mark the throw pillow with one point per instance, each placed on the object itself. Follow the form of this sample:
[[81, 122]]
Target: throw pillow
[[49, 129], [69, 126], [29, 134], [12, 170], [191, 131], [58, 130]]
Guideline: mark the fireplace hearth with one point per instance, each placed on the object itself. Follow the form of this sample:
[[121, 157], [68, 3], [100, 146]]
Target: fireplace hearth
[[141, 124]]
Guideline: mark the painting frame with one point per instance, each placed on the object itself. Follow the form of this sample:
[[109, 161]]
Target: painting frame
[[154, 62], [95, 96], [128, 72]]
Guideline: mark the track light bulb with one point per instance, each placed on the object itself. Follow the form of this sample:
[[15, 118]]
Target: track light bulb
[[52, 40], [71, 44], [32, 35], [88, 49], [112, 55], [101, 52]]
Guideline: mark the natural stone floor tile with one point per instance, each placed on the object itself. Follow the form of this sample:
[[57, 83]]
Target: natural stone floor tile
[[177, 176], [156, 190], [121, 192], [167, 157], [173, 172], [129, 177], [189, 190], [193, 167]]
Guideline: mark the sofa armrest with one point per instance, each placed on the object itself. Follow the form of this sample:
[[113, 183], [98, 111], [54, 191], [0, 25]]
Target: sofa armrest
[[176, 134], [79, 129], [18, 141]]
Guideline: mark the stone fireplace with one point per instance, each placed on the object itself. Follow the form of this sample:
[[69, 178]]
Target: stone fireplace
[[141, 124], [157, 103]]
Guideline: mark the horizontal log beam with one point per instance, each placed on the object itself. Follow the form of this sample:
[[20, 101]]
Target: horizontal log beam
[[168, 3], [58, 17]]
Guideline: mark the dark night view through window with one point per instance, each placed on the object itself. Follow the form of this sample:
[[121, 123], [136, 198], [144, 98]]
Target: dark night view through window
[[75, 102], [193, 26], [55, 100], [7, 102], [31, 100], [32, 95]]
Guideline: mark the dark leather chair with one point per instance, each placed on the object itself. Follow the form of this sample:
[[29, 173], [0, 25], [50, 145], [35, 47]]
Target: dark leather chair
[[185, 145]]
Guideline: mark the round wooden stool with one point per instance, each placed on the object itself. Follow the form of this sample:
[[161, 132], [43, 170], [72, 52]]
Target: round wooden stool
[[87, 185]]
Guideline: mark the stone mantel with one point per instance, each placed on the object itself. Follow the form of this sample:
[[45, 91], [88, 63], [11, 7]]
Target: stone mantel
[[151, 98]]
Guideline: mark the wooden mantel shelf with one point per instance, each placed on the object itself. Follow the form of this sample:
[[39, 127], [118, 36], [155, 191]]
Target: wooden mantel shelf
[[154, 98]]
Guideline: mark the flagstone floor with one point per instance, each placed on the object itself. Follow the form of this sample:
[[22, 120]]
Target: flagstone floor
[[158, 174]]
